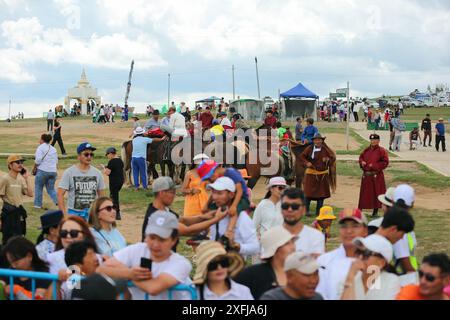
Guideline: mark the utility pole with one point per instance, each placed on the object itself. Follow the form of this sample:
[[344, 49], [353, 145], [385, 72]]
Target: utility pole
[[348, 116], [9, 110], [257, 78], [234, 91], [168, 94]]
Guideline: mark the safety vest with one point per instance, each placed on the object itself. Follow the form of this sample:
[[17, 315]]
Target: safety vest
[[412, 257]]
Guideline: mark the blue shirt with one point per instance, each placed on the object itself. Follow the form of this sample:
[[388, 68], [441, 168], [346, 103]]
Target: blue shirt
[[140, 147], [152, 124], [309, 132], [165, 121], [236, 176], [441, 129], [108, 242]]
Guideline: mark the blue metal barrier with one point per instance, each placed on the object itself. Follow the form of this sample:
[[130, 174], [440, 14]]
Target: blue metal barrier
[[11, 274]]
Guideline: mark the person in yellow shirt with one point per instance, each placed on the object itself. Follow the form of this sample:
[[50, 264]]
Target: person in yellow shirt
[[194, 189]]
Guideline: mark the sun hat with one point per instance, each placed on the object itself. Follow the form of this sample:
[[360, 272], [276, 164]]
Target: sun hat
[[387, 198], [302, 262], [406, 193], [273, 239], [326, 213], [222, 184], [206, 252], [139, 131], [277, 181], [377, 244]]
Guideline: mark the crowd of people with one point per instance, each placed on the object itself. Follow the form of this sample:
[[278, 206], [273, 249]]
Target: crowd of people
[[242, 250]]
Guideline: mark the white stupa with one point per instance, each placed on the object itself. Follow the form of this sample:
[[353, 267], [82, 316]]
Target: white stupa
[[83, 92]]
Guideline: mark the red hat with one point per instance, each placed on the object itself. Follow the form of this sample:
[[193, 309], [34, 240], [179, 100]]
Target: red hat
[[353, 214], [206, 169]]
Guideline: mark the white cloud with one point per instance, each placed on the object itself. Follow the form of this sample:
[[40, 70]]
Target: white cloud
[[28, 43]]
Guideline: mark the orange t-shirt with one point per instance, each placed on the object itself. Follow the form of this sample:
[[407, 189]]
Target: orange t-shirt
[[410, 292]]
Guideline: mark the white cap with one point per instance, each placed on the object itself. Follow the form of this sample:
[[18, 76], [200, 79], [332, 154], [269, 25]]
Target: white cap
[[277, 181], [200, 157], [376, 223], [139, 130], [387, 198], [406, 193], [223, 183], [376, 243], [302, 262], [272, 239]]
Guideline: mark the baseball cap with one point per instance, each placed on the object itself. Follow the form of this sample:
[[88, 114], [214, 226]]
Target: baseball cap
[[374, 137], [387, 198], [99, 287], [223, 183], [376, 243], [85, 146], [163, 184], [111, 150], [206, 169], [353, 214], [162, 224], [277, 181], [406, 193], [376, 223], [13, 158], [302, 262], [272, 239]]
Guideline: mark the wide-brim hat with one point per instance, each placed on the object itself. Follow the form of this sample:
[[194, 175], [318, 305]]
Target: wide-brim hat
[[273, 239], [206, 252], [326, 213], [387, 198], [139, 131]]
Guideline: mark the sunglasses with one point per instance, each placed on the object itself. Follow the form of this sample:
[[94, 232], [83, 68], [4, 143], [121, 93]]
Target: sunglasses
[[107, 208], [88, 155], [294, 206], [428, 277], [281, 188], [365, 253], [73, 233], [19, 162], [223, 262]]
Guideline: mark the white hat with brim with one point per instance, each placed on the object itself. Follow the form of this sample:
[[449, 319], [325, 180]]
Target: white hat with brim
[[273, 239], [277, 181], [222, 184], [138, 131], [377, 244], [387, 198], [302, 262], [201, 157]]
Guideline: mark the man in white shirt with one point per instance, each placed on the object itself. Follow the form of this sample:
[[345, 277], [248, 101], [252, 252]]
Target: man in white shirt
[[167, 270], [293, 209], [245, 239], [177, 125], [335, 264], [224, 121]]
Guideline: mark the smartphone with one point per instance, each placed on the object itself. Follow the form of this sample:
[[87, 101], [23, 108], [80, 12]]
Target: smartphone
[[23, 171], [146, 263]]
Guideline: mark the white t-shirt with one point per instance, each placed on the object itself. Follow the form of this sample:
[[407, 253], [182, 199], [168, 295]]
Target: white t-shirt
[[310, 240], [175, 266], [401, 247], [57, 262], [244, 233], [267, 215], [237, 292], [386, 287], [225, 122], [334, 267]]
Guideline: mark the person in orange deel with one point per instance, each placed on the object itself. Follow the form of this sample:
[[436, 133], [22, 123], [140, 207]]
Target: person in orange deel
[[324, 221], [194, 189]]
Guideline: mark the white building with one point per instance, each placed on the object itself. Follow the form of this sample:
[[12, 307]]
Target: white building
[[83, 93]]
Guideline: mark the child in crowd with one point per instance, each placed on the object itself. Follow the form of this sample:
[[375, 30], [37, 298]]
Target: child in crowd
[[324, 221]]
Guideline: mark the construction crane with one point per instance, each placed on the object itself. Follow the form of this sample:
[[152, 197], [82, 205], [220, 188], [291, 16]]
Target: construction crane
[[129, 83]]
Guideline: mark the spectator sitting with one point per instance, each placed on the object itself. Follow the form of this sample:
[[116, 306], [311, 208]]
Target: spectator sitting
[[302, 273], [277, 243], [214, 273]]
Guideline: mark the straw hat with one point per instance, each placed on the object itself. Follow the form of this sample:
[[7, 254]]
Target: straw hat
[[206, 252], [326, 213]]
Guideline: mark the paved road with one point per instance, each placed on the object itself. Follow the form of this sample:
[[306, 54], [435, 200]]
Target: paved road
[[437, 161]]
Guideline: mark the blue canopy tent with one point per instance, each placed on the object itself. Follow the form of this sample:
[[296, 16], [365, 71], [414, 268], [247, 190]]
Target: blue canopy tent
[[208, 100], [300, 102]]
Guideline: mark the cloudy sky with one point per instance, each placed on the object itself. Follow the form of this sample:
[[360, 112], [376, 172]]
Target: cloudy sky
[[381, 47]]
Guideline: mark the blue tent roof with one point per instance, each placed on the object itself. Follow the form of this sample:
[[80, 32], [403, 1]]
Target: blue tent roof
[[299, 91]]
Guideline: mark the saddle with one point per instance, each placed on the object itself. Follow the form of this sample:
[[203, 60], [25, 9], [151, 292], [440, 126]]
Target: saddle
[[155, 133]]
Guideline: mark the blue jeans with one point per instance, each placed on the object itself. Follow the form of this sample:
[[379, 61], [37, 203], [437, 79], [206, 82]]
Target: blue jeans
[[48, 180], [139, 166]]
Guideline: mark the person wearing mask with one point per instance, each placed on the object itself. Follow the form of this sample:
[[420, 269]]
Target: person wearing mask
[[102, 218], [268, 212], [373, 253], [302, 274], [21, 255], [46, 162], [276, 244], [46, 242], [115, 171], [13, 186], [434, 280], [214, 273], [57, 137]]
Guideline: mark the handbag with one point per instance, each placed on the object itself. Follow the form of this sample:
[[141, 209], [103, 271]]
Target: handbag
[[35, 167]]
